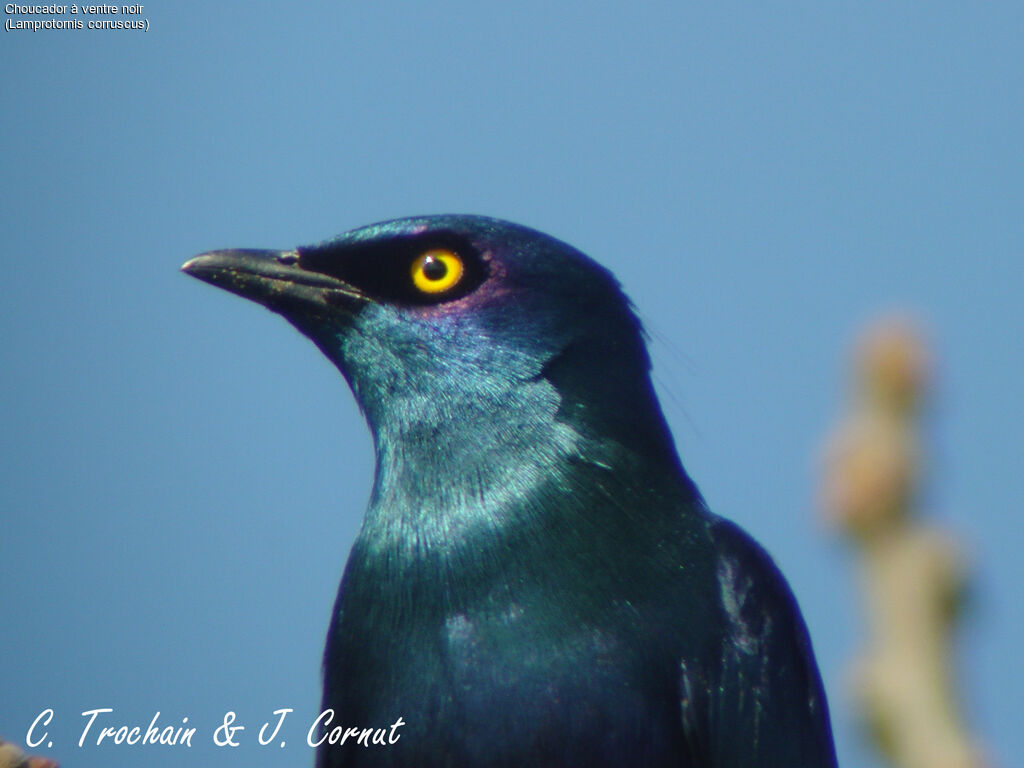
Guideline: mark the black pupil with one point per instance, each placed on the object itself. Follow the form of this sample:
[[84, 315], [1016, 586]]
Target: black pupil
[[434, 269]]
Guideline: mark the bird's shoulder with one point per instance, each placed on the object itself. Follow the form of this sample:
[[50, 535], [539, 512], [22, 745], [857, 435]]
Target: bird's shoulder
[[760, 700]]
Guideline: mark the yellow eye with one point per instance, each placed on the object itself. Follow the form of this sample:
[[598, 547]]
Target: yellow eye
[[436, 271]]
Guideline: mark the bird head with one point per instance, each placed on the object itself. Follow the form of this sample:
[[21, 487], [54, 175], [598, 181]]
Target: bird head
[[482, 353], [425, 315]]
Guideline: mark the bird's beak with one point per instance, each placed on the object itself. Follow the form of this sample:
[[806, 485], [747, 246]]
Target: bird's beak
[[274, 279]]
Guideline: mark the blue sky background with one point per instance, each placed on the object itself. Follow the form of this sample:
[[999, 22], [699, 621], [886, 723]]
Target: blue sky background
[[181, 474]]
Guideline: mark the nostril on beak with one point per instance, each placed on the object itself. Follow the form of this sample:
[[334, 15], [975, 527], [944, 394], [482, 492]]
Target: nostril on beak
[[288, 259]]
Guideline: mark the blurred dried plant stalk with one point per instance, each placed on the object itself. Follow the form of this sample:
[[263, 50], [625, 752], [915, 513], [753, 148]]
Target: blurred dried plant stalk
[[912, 574], [12, 757]]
